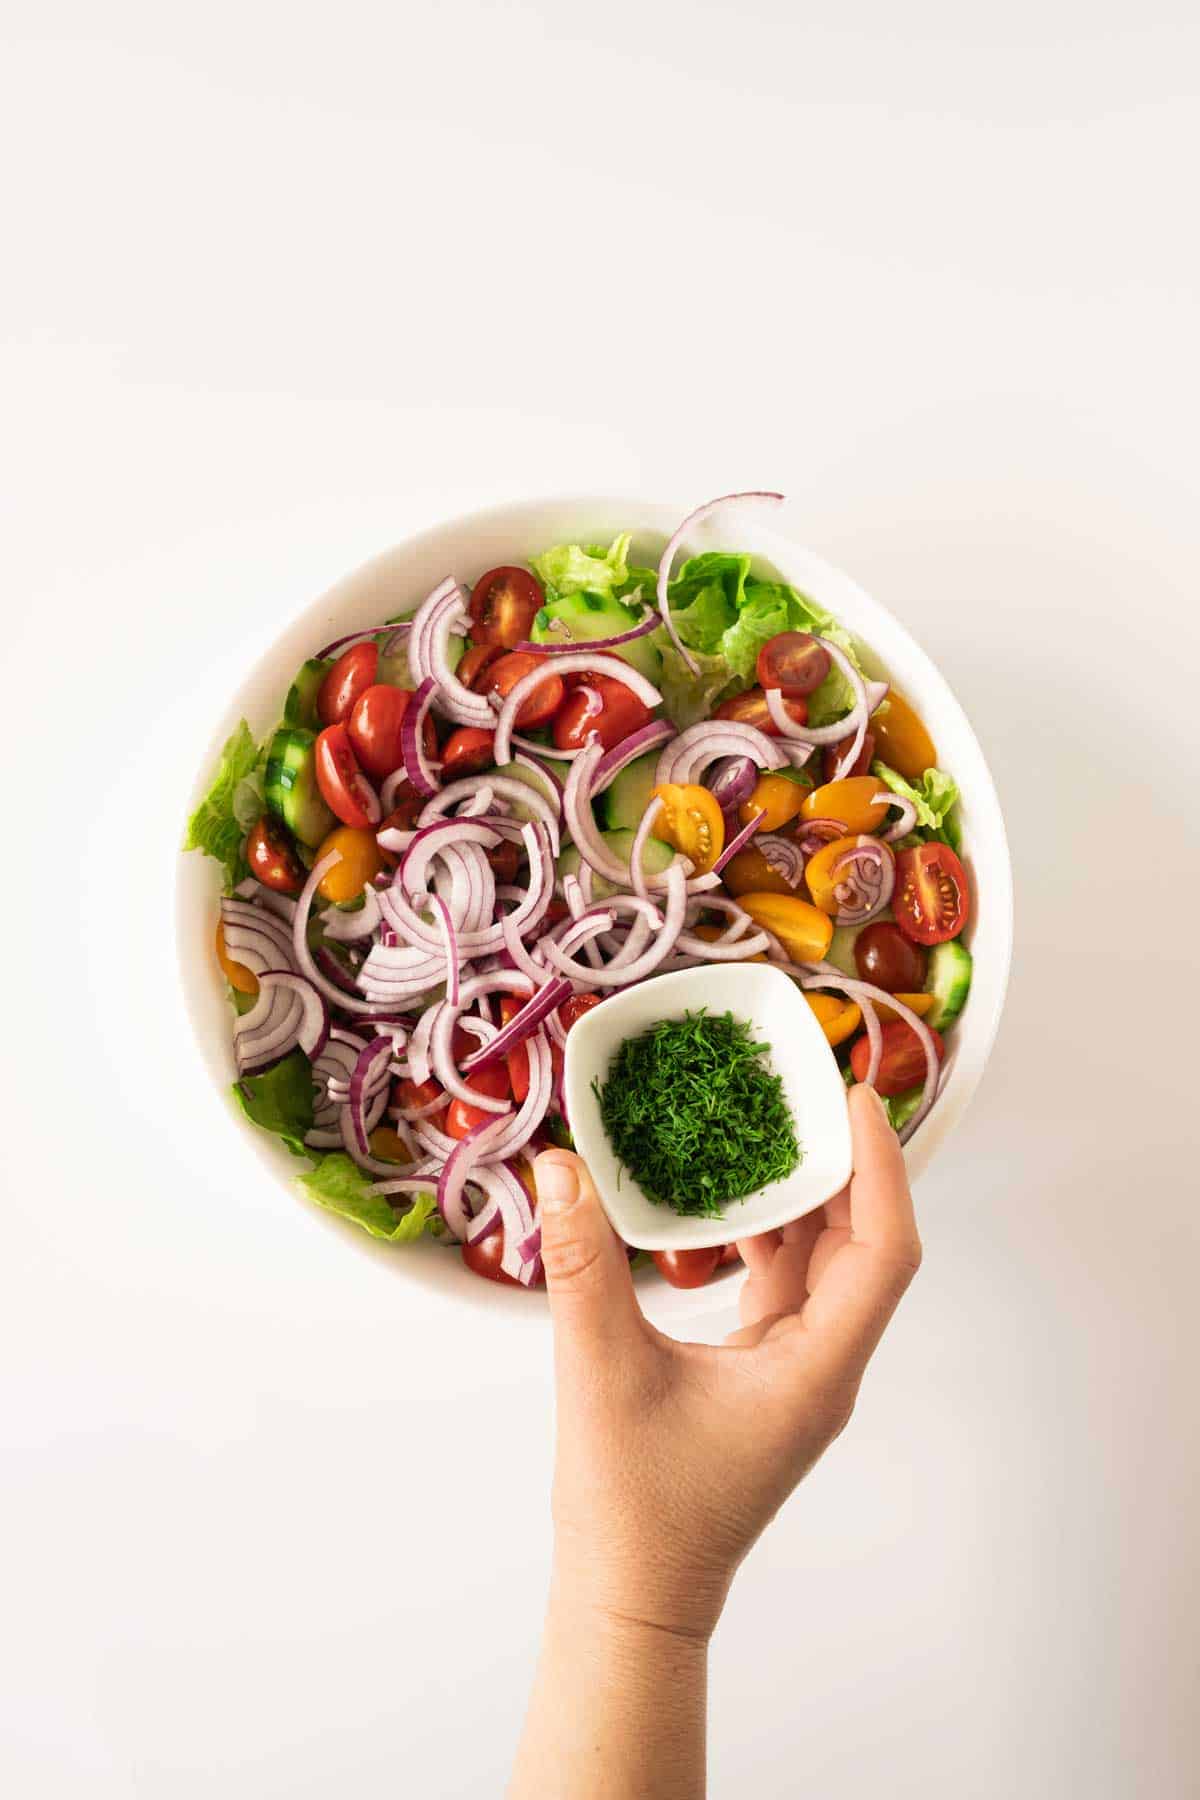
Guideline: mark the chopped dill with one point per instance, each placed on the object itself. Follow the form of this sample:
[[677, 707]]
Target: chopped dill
[[694, 1112]]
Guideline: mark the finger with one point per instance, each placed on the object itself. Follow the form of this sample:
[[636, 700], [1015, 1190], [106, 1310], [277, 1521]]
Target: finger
[[779, 1278], [757, 1252], [592, 1302], [881, 1208]]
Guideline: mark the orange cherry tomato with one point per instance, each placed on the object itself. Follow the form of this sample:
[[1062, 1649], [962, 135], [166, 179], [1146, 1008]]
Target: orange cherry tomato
[[749, 872], [838, 1018], [361, 861], [353, 672], [272, 856], [819, 870], [803, 930], [902, 1062], [691, 820], [388, 1145], [775, 799], [901, 739], [539, 707], [236, 974], [504, 604], [852, 801], [931, 901], [344, 788], [918, 1003], [710, 934]]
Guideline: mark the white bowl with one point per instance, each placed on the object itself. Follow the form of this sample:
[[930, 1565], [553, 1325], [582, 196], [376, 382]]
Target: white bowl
[[398, 580], [775, 1008]]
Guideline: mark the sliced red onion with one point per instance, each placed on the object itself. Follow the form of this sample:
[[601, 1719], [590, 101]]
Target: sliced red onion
[[668, 557], [574, 662], [864, 878], [269, 1030], [398, 628], [783, 856], [452, 698], [412, 739], [372, 1059], [542, 806], [904, 824], [693, 750], [813, 835], [442, 914], [255, 938], [737, 843], [853, 726], [637, 849], [303, 955], [554, 786], [732, 781], [452, 1181], [522, 1235], [650, 622], [442, 1058], [664, 943], [349, 927], [524, 1124], [638, 743], [531, 1015]]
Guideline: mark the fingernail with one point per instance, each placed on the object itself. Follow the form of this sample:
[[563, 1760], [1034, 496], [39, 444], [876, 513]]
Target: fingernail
[[557, 1185]]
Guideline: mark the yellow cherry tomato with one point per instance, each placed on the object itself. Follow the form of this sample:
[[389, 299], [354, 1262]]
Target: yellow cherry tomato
[[691, 820], [801, 929], [749, 872], [388, 1145], [918, 1003], [776, 799], [838, 1017], [361, 862], [236, 974], [852, 801], [710, 934], [901, 740], [818, 870]]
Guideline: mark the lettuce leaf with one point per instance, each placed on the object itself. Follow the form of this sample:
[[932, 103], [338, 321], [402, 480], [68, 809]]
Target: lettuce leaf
[[935, 798], [280, 1100], [766, 611], [575, 569], [340, 1186], [901, 1107], [214, 826], [688, 698]]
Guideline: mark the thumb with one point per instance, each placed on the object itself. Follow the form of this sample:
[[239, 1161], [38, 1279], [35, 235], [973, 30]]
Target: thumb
[[592, 1301]]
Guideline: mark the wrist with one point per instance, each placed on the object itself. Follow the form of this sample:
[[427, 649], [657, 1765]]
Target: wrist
[[638, 1603]]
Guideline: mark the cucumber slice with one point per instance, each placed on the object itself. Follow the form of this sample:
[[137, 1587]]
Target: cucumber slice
[[841, 949], [516, 771], [291, 786], [655, 858], [588, 616], [300, 707], [949, 981], [622, 804]]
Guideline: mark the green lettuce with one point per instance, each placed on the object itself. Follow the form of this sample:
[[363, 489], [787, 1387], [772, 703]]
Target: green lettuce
[[280, 1100], [901, 1107], [214, 826], [340, 1186], [688, 698], [935, 798], [576, 569]]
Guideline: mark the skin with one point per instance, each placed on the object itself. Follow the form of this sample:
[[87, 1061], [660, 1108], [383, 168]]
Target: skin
[[672, 1458]]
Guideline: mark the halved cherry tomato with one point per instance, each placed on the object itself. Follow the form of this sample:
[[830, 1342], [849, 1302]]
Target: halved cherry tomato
[[352, 673], [931, 902], [409, 1095], [272, 856], [505, 859], [918, 1003], [403, 817], [574, 1008], [501, 678], [461, 1117], [903, 741], [344, 787], [884, 956], [517, 1060], [688, 1268], [775, 799], [838, 1018], [504, 603], [852, 801], [620, 712], [691, 820], [376, 725], [710, 934], [804, 932], [820, 870], [902, 1063], [749, 872], [466, 751], [793, 661], [236, 974], [475, 660], [388, 1145], [484, 1259], [361, 861], [832, 754], [750, 708]]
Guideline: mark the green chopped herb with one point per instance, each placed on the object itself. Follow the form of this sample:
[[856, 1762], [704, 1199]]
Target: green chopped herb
[[695, 1114]]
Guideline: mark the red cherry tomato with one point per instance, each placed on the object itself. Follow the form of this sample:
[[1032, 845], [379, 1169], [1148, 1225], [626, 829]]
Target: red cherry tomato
[[575, 1007], [478, 658], [272, 856], [375, 729], [484, 1257], [542, 704], [793, 661], [517, 1060], [412, 1094], [462, 1117], [619, 713], [504, 604], [466, 751], [403, 817], [884, 956], [931, 901], [688, 1268], [750, 708], [902, 1064], [505, 859], [352, 673], [344, 787], [832, 754], [729, 1254]]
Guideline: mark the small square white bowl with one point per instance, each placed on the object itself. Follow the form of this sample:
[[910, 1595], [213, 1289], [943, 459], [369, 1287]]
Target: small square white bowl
[[771, 1003]]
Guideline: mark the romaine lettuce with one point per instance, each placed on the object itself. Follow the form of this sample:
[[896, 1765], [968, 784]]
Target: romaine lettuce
[[214, 826], [935, 798], [574, 568], [280, 1100], [340, 1186]]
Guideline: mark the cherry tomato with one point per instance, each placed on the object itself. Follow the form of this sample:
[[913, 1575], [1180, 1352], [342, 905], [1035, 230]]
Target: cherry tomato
[[820, 871], [902, 1064], [691, 820], [272, 856], [403, 817], [505, 859], [354, 671], [466, 751], [918, 1003], [832, 755], [729, 1254], [749, 872], [504, 604], [710, 934], [750, 708], [575, 1007], [838, 1018], [620, 713], [484, 1259], [884, 956], [803, 930], [502, 676], [775, 800], [409, 1095], [461, 1117], [475, 660], [376, 725], [852, 801], [931, 902], [688, 1268], [517, 1060], [903, 741], [793, 661], [344, 787], [236, 974], [388, 1145], [361, 861]]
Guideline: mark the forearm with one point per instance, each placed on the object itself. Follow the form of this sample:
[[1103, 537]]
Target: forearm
[[617, 1710]]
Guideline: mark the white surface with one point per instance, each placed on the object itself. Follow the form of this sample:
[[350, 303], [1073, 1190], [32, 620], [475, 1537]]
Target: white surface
[[283, 286], [778, 1014]]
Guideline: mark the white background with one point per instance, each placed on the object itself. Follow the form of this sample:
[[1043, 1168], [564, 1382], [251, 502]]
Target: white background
[[283, 283]]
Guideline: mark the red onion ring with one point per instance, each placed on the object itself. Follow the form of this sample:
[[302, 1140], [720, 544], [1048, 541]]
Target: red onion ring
[[300, 950], [813, 834], [650, 622], [783, 856], [412, 746], [864, 878], [397, 627], [668, 556], [904, 824], [694, 749], [349, 927], [638, 743], [737, 843]]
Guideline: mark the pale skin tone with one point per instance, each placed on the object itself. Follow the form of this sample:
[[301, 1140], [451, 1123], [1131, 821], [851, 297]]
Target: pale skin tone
[[673, 1457]]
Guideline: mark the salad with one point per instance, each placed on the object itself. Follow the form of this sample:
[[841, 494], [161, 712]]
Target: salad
[[476, 821]]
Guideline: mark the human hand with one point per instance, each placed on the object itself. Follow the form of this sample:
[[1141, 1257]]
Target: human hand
[[672, 1457]]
